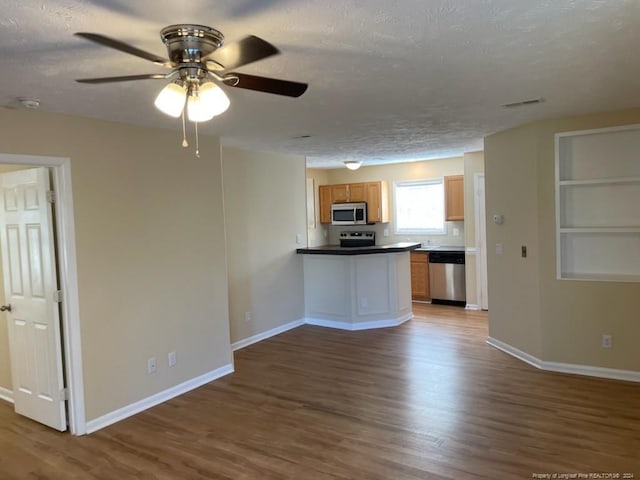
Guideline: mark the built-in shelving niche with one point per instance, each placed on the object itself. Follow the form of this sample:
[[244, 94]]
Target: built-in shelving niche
[[598, 204]]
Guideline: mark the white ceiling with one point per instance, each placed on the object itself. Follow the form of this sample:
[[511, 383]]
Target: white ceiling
[[388, 80]]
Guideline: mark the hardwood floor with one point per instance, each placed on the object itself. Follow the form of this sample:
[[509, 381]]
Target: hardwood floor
[[426, 400]]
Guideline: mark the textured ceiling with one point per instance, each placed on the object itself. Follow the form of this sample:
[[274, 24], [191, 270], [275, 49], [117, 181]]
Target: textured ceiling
[[389, 80]]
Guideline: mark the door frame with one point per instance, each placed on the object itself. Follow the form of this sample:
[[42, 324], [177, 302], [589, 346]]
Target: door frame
[[481, 242], [68, 277]]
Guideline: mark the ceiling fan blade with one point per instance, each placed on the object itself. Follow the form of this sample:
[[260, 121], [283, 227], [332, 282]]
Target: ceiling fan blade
[[243, 52], [124, 47], [264, 84], [126, 78]]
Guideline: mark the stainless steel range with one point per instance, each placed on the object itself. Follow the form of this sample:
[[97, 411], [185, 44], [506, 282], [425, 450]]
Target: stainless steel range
[[357, 239]]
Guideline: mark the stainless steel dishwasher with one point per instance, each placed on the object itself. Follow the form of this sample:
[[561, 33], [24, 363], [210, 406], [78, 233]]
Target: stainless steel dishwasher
[[447, 278]]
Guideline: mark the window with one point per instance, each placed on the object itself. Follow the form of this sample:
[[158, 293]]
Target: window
[[419, 207]]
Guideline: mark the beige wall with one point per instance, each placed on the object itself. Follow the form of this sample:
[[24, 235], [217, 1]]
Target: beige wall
[[511, 190], [150, 249], [317, 233], [559, 321], [265, 208], [400, 172]]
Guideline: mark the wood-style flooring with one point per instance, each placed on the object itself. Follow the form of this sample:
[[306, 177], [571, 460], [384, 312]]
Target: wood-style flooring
[[426, 400]]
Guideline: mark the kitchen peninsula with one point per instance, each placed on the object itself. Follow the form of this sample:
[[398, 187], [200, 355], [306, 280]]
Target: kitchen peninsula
[[357, 288]]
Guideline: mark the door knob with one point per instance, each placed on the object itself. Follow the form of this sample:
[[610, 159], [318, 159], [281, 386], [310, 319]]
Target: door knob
[[5, 308]]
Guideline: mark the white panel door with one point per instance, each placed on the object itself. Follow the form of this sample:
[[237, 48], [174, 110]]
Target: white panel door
[[27, 243]]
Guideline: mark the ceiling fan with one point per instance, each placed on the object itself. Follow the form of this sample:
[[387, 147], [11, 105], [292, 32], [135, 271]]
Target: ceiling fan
[[197, 55]]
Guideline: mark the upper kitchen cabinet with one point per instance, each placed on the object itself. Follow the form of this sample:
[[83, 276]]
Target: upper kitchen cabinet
[[454, 197], [340, 193], [374, 193], [357, 192], [324, 196], [377, 198], [348, 193]]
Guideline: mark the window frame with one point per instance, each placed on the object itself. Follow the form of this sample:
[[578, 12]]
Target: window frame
[[418, 231]]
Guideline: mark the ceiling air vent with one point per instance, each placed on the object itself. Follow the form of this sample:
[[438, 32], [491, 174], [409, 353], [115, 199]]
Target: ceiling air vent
[[533, 101]]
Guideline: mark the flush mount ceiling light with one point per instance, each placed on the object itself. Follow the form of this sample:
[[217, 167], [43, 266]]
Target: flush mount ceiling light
[[352, 164], [197, 59]]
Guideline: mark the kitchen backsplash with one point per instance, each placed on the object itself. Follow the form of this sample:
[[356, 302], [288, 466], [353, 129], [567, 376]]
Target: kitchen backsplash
[[454, 235]]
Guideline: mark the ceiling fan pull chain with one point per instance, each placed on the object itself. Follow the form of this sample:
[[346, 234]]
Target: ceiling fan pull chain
[[197, 144], [185, 144]]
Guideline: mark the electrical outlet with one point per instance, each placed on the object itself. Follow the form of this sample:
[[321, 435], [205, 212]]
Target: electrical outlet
[[364, 302], [298, 238], [499, 249], [171, 358], [607, 341], [151, 365], [247, 316], [385, 232], [456, 232]]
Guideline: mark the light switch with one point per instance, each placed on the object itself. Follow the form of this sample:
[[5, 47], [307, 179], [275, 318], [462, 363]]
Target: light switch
[[498, 249]]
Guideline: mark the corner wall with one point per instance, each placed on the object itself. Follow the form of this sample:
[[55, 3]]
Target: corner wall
[[265, 209], [150, 251], [554, 320]]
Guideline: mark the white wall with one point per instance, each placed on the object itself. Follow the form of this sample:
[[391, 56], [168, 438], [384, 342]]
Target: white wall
[[265, 208], [150, 251]]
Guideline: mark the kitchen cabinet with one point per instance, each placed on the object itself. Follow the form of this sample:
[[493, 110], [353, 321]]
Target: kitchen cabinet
[[348, 193], [357, 192], [420, 276], [340, 193], [377, 198], [454, 197], [597, 192], [374, 193], [324, 197]]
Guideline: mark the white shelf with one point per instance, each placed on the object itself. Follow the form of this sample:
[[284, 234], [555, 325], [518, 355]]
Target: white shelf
[[613, 230], [601, 277], [598, 205], [599, 181]]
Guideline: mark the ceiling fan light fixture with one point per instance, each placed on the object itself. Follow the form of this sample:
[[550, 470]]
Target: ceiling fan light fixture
[[352, 164], [206, 102], [170, 100]]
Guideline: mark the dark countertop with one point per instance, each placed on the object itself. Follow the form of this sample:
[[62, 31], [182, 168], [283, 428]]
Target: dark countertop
[[338, 250], [441, 248]]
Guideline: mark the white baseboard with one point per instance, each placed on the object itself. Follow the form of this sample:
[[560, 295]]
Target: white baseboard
[[587, 370], [144, 404], [264, 335], [6, 394], [394, 322], [472, 306]]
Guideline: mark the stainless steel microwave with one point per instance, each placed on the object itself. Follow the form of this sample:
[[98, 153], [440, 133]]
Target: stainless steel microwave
[[349, 214]]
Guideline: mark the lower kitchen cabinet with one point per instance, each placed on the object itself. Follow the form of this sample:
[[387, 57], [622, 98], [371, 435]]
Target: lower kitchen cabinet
[[420, 276]]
